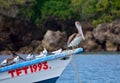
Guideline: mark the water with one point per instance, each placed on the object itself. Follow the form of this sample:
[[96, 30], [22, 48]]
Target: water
[[93, 68]]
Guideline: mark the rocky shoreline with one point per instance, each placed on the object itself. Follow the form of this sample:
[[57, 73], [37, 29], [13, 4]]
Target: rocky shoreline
[[24, 37], [105, 37]]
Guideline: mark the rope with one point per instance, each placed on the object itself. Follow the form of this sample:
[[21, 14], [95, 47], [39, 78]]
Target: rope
[[74, 66]]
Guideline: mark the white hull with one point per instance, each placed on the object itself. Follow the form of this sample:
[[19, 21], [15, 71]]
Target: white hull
[[42, 70], [56, 67]]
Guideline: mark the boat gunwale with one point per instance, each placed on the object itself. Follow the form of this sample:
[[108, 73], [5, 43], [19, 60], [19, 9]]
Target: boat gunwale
[[42, 59]]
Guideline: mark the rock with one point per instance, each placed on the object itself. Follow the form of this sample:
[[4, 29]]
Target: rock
[[110, 46], [99, 32], [90, 46], [25, 50], [39, 48], [89, 35], [35, 43], [16, 33], [54, 40], [118, 48], [115, 27], [113, 34], [108, 34], [4, 52]]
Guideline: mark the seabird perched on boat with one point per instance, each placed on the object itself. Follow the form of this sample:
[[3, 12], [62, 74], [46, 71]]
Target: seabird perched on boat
[[3, 63], [76, 38], [14, 59], [42, 54], [45, 52], [57, 51], [30, 56]]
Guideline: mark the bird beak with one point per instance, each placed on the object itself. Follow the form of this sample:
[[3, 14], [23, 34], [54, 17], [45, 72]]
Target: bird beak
[[83, 37]]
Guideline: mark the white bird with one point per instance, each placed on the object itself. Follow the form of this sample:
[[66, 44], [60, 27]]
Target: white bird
[[16, 59], [57, 51], [4, 63], [45, 52], [76, 38], [30, 56], [42, 54]]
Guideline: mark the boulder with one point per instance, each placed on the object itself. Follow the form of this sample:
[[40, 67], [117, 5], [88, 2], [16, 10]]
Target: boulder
[[90, 46], [25, 50], [108, 34], [110, 46], [54, 40], [4, 52], [99, 32]]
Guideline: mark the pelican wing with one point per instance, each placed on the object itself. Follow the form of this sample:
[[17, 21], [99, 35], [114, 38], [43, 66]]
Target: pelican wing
[[71, 38]]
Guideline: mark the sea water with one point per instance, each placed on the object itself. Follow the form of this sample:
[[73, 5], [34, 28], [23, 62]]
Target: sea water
[[93, 68]]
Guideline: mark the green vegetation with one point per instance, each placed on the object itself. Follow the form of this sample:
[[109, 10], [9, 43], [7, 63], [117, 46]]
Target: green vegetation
[[97, 11], [9, 3], [40, 10], [58, 9]]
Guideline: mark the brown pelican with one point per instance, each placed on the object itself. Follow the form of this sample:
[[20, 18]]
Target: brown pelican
[[76, 38]]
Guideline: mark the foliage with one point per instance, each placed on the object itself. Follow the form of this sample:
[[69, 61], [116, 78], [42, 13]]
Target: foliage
[[8, 3], [10, 8], [100, 11], [58, 9], [32, 11], [97, 11], [39, 10], [89, 9]]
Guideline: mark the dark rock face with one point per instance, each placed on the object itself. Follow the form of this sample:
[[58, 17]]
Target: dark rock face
[[24, 37], [17, 33]]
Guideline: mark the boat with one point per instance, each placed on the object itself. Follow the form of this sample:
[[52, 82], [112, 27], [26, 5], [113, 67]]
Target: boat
[[40, 70]]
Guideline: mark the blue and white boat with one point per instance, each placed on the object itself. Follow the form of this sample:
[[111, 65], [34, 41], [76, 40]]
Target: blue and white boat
[[40, 70]]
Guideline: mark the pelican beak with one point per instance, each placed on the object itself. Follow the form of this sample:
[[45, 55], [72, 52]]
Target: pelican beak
[[83, 37]]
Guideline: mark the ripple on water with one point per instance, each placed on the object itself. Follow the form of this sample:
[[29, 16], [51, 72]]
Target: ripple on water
[[102, 68]]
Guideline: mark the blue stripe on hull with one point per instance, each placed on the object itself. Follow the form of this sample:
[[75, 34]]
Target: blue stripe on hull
[[51, 80]]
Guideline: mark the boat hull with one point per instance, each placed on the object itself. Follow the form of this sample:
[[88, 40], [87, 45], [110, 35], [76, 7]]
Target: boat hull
[[41, 70], [48, 73]]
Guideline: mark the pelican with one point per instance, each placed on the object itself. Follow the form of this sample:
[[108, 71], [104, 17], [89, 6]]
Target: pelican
[[30, 56], [76, 38]]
